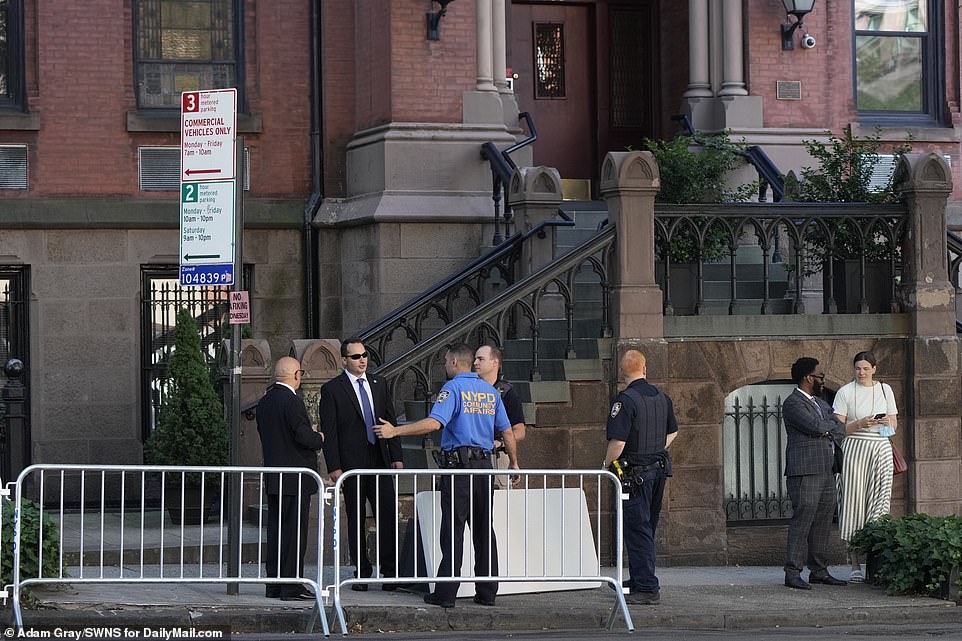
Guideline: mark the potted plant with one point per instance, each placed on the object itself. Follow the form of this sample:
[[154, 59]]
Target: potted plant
[[191, 429], [694, 172], [844, 174], [916, 554]]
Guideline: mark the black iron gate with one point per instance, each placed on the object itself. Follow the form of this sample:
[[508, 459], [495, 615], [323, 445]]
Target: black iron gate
[[162, 297], [15, 442]]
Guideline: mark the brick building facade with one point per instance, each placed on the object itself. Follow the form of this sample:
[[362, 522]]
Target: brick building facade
[[366, 180]]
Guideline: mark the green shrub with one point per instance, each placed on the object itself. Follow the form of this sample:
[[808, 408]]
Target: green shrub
[[844, 175], [693, 173], [30, 543], [915, 553], [845, 169], [191, 429]]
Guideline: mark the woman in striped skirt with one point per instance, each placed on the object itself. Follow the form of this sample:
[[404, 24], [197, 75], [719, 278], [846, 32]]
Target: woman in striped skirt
[[868, 410]]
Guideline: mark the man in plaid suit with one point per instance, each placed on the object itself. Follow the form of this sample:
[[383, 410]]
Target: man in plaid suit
[[813, 434]]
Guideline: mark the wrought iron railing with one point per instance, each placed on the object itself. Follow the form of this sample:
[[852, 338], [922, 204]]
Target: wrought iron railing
[[813, 237], [450, 299], [502, 167], [513, 313]]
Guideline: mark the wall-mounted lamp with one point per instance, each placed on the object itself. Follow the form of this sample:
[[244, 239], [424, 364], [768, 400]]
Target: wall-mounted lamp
[[434, 19], [797, 8]]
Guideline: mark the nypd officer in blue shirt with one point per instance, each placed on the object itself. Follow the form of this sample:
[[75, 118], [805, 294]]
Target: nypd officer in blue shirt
[[470, 413], [641, 426]]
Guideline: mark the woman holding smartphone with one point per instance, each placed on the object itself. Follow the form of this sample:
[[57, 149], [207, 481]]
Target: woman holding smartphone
[[867, 408]]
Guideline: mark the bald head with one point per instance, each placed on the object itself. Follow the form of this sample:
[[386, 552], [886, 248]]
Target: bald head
[[286, 371], [633, 365]]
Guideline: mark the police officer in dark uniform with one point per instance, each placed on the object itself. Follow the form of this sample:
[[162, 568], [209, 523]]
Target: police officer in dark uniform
[[469, 412], [487, 364], [641, 426]]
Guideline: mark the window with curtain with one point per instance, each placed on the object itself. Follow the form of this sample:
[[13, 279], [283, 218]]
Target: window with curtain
[[898, 60], [185, 45], [11, 54]]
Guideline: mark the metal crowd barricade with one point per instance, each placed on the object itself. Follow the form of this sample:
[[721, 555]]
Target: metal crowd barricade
[[566, 526], [111, 518]]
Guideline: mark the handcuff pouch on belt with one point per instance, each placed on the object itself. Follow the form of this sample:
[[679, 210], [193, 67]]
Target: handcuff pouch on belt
[[632, 476], [459, 457]]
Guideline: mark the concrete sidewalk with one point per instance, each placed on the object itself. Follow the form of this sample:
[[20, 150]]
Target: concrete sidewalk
[[692, 598]]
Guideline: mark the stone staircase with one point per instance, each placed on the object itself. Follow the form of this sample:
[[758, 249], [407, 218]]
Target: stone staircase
[[573, 388]]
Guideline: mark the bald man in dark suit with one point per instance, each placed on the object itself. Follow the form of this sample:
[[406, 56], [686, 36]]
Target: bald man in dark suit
[[287, 440]]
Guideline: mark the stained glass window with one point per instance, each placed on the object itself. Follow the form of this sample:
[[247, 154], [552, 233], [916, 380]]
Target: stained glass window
[[549, 63]]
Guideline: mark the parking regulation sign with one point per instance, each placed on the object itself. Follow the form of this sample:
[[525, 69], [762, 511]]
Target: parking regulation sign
[[207, 186], [207, 233], [208, 135]]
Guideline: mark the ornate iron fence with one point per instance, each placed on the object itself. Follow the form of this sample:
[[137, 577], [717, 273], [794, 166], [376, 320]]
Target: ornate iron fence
[[802, 239]]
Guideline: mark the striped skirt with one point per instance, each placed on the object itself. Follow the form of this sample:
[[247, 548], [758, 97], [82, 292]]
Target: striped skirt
[[865, 484]]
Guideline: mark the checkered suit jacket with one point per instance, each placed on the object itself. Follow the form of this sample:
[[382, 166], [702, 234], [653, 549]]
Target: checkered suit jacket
[[808, 450]]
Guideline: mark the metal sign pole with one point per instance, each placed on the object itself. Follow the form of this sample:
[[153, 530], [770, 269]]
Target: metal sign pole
[[233, 506]]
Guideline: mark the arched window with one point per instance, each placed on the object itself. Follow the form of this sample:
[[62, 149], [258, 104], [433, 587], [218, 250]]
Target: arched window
[[753, 442]]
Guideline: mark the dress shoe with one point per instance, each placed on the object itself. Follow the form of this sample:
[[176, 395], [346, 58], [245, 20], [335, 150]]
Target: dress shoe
[[359, 587], [432, 599], [300, 596], [480, 600], [272, 592], [389, 587], [825, 579], [796, 582], [644, 597]]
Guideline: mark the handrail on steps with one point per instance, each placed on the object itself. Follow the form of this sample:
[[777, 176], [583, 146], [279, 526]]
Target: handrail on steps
[[502, 167]]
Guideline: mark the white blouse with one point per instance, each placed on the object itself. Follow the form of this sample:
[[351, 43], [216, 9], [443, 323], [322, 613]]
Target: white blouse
[[854, 401]]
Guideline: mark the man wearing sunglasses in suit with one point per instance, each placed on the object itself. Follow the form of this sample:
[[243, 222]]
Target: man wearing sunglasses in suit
[[813, 434], [350, 406]]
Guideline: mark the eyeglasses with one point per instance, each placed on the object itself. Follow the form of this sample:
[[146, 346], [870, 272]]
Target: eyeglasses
[[301, 372], [820, 377], [357, 357]]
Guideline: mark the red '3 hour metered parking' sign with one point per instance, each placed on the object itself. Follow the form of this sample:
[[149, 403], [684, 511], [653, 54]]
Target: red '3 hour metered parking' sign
[[208, 134]]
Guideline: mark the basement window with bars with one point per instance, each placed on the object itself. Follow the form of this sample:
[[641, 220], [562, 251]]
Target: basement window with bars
[[161, 298], [753, 446]]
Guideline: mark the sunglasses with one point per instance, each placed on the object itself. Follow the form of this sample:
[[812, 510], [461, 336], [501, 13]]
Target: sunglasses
[[357, 357]]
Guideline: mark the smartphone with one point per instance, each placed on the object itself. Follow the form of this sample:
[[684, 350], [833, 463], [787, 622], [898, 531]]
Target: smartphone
[[878, 416]]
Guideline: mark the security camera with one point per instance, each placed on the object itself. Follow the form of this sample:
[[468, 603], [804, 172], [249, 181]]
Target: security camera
[[808, 41]]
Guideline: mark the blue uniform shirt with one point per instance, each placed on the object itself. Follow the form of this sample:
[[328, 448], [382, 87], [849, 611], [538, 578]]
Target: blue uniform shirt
[[470, 412]]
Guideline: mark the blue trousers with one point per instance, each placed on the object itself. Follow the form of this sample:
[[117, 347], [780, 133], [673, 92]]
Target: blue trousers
[[640, 519]]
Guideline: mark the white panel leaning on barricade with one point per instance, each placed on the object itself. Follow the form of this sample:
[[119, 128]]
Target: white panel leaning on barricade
[[469, 412], [545, 535], [159, 524]]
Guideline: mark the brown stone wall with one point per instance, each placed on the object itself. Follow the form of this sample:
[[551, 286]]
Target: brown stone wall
[[698, 375]]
